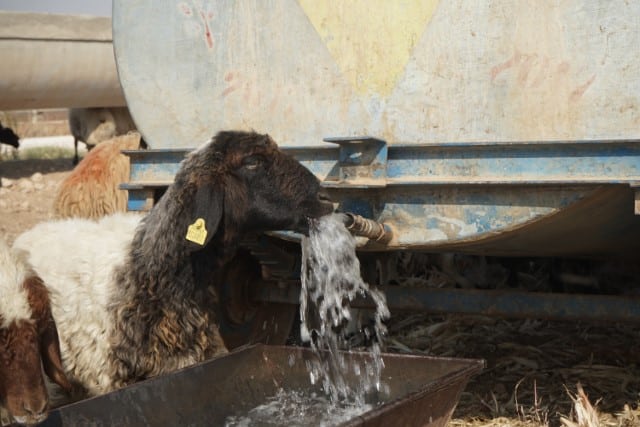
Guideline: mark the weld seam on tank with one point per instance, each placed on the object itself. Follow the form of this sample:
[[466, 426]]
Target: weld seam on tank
[[368, 228]]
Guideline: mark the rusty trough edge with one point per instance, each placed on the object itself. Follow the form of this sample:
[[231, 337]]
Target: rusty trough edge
[[455, 381]]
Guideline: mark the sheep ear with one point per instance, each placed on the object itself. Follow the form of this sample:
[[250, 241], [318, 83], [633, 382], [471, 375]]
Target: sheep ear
[[207, 213], [51, 359]]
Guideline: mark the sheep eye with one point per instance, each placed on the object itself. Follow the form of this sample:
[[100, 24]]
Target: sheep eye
[[251, 162]]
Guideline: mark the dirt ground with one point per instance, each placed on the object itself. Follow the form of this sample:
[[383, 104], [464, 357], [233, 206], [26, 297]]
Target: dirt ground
[[27, 192]]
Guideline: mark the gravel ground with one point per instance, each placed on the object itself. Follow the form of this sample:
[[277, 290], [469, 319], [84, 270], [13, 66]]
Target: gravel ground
[[27, 192]]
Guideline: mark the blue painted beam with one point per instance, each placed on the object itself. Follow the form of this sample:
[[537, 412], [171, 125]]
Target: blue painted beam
[[565, 162]]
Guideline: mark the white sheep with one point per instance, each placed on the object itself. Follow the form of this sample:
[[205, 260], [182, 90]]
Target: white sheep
[[95, 125], [92, 189], [28, 341], [135, 296]]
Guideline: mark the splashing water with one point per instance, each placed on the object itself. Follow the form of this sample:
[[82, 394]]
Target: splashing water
[[330, 280], [296, 409]]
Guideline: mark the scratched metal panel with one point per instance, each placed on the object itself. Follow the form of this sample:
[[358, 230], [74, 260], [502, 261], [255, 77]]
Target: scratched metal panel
[[550, 221], [407, 72]]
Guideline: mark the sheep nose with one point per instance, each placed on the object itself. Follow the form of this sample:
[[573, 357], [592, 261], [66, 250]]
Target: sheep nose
[[35, 408], [323, 196]]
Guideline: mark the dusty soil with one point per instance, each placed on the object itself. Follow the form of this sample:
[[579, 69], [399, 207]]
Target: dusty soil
[[27, 192]]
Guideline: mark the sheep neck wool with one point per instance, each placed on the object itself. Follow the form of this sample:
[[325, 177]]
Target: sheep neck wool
[[330, 281]]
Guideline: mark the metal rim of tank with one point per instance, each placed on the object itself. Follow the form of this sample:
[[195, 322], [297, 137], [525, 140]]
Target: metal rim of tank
[[244, 320]]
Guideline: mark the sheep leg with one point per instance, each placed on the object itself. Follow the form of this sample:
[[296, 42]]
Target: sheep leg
[[75, 146]]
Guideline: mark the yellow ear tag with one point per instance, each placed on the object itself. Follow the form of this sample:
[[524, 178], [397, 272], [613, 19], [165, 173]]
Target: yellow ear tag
[[197, 232]]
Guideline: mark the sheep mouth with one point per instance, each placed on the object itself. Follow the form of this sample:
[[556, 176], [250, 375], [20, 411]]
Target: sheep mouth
[[319, 206], [29, 420], [319, 209], [326, 207], [304, 225], [325, 203]]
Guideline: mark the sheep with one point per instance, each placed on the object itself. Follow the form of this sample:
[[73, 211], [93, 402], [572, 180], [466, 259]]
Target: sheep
[[9, 137], [95, 125], [28, 341], [92, 189], [134, 296]]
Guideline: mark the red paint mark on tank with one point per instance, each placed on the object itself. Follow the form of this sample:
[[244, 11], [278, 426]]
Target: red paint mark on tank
[[580, 90], [230, 78], [185, 9], [228, 90], [531, 69], [207, 31], [563, 67], [205, 17], [528, 61], [495, 71]]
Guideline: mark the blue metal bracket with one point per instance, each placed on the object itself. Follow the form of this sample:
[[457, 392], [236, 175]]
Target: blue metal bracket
[[151, 171], [362, 162]]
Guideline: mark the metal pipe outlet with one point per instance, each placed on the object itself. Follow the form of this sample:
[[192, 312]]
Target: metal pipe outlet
[[360, 226]]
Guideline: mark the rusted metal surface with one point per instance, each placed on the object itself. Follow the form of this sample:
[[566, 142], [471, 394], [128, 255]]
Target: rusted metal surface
[[423, 391], [505, 304], [53, 61]]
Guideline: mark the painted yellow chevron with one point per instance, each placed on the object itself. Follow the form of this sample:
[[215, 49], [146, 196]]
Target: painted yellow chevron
[[370, 40]]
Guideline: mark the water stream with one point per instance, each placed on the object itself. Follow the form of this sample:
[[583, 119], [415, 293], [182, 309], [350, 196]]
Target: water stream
[[296, 409], [330, 281], [350, 386]]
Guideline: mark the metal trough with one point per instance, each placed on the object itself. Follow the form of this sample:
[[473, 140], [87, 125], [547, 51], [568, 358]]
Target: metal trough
[[423, 391]]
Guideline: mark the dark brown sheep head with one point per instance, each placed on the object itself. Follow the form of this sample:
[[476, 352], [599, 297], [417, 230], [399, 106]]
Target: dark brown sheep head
[[26, 347], [254, 187], [8, 136]]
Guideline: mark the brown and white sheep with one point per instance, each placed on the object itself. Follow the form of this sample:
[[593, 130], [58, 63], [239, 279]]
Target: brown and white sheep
[[135, 296], [28, 341], [95, 125], [92, 189]]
